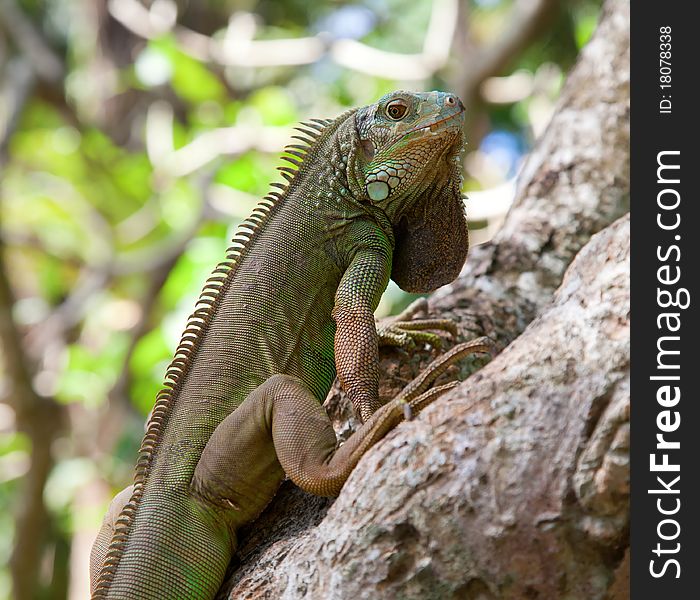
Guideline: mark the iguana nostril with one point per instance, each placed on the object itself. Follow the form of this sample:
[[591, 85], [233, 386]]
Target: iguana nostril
[[450, 101]]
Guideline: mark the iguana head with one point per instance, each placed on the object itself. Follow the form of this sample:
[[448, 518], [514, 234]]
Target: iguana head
[[405, 163]]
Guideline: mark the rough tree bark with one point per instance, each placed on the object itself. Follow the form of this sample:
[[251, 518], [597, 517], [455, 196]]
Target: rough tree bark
[[515, 485]]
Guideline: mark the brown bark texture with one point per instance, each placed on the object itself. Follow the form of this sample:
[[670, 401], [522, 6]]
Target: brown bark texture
[[515, 484]]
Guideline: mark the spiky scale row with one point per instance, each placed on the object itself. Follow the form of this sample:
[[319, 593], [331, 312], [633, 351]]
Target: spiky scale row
[[306, 140], [303, 149], [294, 161], [296, 153], [195, 330]]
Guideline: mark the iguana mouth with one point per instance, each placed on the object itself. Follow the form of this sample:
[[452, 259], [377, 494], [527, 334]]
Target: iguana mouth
[[435, 125]]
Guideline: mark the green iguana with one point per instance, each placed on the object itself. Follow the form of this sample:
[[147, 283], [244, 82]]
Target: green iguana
[[372, 194]]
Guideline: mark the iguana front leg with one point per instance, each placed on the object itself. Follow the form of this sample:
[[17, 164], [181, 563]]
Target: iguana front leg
[[356, 340]]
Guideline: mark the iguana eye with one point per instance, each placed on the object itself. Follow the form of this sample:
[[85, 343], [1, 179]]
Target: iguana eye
[[396, 110]]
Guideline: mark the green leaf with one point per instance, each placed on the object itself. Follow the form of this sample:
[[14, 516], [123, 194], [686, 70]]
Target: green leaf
[[14, 441], [250, 173], [585, 20], [190, 79], [151, 349], [275, 106], [148, 363], [91, 372]]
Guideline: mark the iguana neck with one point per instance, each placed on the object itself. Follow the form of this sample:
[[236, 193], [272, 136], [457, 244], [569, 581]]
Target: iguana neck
[[327, 186]]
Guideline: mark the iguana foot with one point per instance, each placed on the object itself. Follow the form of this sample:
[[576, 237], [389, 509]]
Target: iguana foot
[[418, 393], [406, 332]]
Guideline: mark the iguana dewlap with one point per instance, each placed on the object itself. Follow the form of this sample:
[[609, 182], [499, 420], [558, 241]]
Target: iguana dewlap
[[370, 195]]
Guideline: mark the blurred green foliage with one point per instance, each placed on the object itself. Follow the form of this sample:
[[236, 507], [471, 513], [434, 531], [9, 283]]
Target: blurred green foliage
[[106, 249]]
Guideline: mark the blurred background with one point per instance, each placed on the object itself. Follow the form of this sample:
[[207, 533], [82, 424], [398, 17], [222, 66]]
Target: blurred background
[[134, 136]]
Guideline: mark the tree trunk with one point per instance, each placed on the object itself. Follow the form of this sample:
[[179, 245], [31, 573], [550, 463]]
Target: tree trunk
[[515, 485]]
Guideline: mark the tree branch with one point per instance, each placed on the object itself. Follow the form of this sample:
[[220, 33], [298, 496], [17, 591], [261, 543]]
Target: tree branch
[[40, 418], [525, 23], [14, 95], [30, 42], [240, 49]]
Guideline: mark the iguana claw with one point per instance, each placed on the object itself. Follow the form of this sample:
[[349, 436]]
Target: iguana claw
[[406, 332], [419, 393]]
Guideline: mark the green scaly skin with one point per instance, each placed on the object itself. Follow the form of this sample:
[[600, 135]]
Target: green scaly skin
[[371, 195]]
